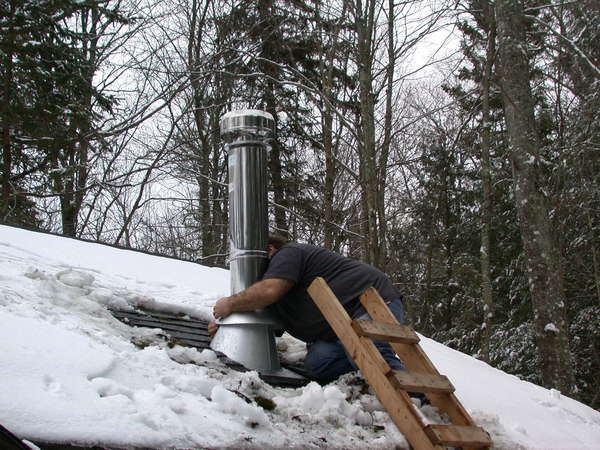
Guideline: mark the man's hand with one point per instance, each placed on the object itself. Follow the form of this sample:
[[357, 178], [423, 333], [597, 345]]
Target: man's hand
[[260, 295], [222, 308], [212, 329]]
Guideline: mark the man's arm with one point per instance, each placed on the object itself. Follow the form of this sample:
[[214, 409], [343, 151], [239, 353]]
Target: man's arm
[[260, 294]]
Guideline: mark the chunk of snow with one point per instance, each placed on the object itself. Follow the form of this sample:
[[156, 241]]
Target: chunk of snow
[[75, 278], [550, 327], [229, 402]]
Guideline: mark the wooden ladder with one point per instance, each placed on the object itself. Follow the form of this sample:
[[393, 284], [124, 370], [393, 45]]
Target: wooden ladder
[[391, 386]]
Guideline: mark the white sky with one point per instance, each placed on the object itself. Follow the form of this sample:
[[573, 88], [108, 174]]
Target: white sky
[[69, 372]]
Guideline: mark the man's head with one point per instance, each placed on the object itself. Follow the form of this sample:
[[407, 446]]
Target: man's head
[[275, 243]]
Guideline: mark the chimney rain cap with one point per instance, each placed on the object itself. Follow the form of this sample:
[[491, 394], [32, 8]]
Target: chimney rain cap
[[247, 121]]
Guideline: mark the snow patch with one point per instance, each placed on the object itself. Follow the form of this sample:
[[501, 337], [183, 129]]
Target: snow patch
[[231, 403]]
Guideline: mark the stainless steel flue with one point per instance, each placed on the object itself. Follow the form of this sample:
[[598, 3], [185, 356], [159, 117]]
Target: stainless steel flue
[[248, 338]]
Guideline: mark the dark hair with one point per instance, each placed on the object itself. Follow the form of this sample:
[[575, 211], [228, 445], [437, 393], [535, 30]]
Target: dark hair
[[277, 241]]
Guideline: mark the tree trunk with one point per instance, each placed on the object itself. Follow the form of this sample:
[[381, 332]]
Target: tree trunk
[[85, 126], [270, 104], [427, 295], [543, 263], [364, 24], [387, 136], [276, 171], [205, 144], [78, 146], [220, 240], [328, 196], [326, 70], [449, 233], [595, 262], [7, 87], [486, 181]]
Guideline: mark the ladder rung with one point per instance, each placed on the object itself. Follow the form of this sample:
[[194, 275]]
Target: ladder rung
[[420, 382], [458, 436], [383, 331]]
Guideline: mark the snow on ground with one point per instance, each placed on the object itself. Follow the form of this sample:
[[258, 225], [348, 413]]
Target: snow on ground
[[70, 372]]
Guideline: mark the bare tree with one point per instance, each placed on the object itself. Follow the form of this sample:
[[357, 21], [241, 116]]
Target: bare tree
[[543, 261]]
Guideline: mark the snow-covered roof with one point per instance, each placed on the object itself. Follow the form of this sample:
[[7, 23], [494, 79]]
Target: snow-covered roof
[[71, 372]]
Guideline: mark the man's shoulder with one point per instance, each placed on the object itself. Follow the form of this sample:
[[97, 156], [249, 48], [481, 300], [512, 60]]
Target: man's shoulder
[[313, 255], [304, 249], [299, 246], [290, 251]]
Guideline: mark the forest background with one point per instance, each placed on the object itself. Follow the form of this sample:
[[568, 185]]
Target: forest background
[[453, 144]]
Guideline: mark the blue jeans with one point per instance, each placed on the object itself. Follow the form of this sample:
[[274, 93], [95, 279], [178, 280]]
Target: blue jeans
[[327, 360]]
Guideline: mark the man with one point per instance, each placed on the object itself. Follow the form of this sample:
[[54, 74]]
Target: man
[[283, 290]]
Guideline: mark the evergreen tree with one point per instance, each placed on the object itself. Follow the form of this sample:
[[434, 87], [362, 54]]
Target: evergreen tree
[[574, 149], [47, 94]]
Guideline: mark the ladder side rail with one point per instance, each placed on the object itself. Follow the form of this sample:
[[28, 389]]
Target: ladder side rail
[[415, 359]]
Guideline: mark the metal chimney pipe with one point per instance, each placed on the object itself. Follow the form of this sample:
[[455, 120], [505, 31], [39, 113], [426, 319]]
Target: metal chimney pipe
[[248, 338]]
